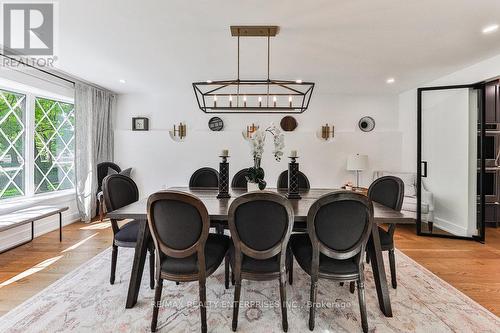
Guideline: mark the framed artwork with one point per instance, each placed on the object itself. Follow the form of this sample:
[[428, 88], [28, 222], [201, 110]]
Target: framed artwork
[[140, 124]]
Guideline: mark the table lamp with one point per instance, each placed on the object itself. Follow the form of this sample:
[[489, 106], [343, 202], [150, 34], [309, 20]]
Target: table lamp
[[357, 162]]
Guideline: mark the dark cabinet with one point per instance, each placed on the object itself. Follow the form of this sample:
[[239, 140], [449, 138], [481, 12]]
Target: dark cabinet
[[492, 107]]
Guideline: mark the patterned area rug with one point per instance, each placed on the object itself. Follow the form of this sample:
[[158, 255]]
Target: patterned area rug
[[84, 301]]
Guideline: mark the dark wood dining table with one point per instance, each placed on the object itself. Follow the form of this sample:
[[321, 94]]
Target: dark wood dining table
[[218, 211]]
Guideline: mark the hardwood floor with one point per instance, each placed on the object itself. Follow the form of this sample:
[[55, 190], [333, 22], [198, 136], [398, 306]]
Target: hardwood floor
[[469, 266]]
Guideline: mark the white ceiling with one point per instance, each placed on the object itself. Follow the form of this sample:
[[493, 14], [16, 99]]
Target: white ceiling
[[344, 46]]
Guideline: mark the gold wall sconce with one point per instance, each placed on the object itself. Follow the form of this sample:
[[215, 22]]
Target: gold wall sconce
[[179, 132], [250, 130], [326, 133]]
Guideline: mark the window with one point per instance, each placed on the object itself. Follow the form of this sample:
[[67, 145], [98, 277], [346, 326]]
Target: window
[[37, 144], [54, 145], [12, 144]]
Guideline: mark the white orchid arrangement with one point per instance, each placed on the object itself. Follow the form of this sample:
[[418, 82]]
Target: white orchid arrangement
[[257, 141]]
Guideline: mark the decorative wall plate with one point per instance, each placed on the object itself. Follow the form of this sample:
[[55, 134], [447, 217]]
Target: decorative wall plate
[[215, 124], [366, 124], [288, 123]]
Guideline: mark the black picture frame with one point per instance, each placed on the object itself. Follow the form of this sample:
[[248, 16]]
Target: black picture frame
[[136, 124]]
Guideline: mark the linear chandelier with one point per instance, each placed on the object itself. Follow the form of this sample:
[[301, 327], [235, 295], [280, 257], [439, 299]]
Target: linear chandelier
[[253, 96]]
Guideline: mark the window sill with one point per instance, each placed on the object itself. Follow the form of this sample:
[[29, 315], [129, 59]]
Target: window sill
[[9, 205]]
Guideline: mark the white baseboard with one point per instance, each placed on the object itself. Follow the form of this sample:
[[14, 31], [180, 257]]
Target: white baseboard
[[449, 227]]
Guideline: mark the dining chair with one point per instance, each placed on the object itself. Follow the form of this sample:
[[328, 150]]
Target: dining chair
[[283, 181], [260, 225], [204, 177], [388, 191], [186, 251], [239, 179], [120, 191], [102, 172], [338, 225]]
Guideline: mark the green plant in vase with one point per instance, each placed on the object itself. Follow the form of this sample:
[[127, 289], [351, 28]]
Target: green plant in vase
[[255, 174]]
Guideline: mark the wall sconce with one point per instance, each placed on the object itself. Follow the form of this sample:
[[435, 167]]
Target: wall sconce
[[178, 133], [250, 130], [326, 133]]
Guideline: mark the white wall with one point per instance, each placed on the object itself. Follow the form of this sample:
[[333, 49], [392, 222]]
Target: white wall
[[158, 161], [483, 70]]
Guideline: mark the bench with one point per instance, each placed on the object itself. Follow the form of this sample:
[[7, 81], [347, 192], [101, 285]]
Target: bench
[[30, 215]]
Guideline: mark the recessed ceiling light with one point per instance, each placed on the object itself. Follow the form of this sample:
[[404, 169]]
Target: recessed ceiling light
[[122, 81], [209, 81], [298, 81], [390, 80], [490, 29]]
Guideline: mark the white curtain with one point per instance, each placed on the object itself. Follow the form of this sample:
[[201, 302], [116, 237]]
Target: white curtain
[[94, 142]]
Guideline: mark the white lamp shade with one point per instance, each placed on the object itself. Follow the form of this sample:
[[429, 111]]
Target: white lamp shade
[[357, 162]]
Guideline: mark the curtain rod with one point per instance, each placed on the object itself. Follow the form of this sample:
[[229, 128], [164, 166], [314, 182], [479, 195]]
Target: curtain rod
[[39, 69]]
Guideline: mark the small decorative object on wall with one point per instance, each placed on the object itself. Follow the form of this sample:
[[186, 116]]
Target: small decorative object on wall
[[224, 175], [263, 95], [366, 124], [288, 123], [326, 132], [140, 124], [293, 177], [250, 130], [178, 133], [215, 124], [255, 177]]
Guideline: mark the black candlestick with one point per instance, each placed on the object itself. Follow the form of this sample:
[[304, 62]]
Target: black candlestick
[[293, 179], [223, 178]]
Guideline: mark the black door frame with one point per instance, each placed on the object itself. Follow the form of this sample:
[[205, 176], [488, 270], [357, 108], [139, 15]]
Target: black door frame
[[482, 101]]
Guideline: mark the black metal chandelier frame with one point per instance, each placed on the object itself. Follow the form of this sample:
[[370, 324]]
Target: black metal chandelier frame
[[263, 95]]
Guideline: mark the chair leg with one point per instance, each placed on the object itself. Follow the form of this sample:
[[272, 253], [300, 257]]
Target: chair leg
[[312, 309], [232, 278], [284, 318], [362, 305], [290, 273], [203, 308], [236, 303], [367, 257], [152, 267], [114, 256], [156, 305], [176, 283], [351, 287], [430, 226], [392, 264], [101, 210], [226, 272], [341, 283]]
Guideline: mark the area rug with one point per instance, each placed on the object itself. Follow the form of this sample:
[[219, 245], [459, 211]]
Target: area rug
[[84, 301]]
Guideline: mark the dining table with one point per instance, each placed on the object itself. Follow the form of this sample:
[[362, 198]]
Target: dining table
[[218, 211]]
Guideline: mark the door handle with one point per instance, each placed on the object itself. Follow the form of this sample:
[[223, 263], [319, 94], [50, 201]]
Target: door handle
[[424, 163]]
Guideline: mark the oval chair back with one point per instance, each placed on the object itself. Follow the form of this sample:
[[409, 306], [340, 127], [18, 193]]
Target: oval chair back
[[339, 225], [179, 224], [204, 177], [283, 181], [239, 179], [102, 172], [388, 191], [119, 191], [260, 225]]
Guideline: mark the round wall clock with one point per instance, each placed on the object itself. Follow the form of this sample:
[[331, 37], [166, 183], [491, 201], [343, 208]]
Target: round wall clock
[[288, 123], [215, 124], [366, 124]]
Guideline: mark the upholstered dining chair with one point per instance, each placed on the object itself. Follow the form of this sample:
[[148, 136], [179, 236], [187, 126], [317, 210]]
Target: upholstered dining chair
[[260, 224], [120, 191], [388, 191], [186, 251], [283, 181], [204, 177], [102, 172], [339, 226], [239, 179]]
